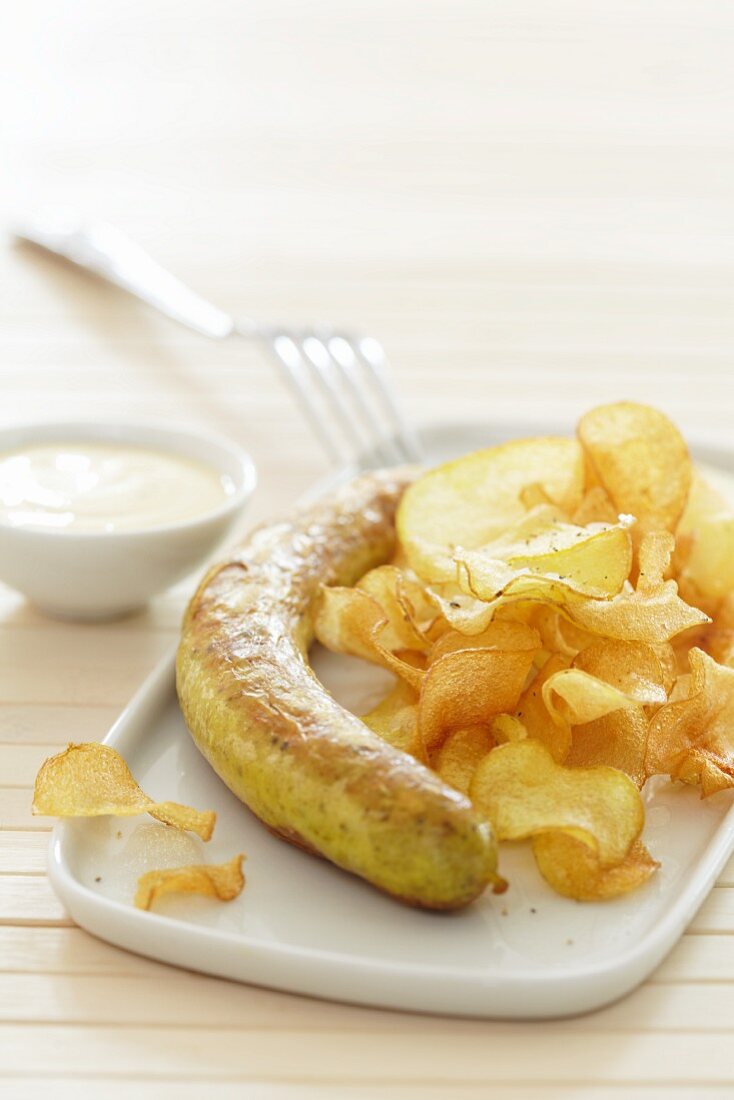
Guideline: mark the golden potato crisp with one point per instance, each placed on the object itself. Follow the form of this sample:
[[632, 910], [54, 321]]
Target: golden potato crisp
[[395, 718], [640, 459], [543, 607], [534, 715], [469, 687], [653, 612], [524, 793], [410, 614], [224, 881], [90, 780], [574, 870], [472, 500], [640, 672], [498, 635], [692, 739], [349, 620], [457, 759]]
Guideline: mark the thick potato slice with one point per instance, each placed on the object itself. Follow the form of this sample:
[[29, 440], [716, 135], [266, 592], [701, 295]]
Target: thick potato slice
[[593, 561], [640, 458], [470, 501]]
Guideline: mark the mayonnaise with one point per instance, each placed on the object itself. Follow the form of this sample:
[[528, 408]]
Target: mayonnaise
[[97, 487]]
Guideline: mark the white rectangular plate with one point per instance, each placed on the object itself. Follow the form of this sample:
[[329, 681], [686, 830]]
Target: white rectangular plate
[[304, 926]]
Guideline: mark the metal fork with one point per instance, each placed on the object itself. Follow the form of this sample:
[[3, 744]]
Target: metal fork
[[341, 381]]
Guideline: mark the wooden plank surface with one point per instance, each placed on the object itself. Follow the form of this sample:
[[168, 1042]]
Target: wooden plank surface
[[532, 206]]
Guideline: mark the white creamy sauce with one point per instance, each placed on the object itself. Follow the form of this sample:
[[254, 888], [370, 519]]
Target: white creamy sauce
[[105, 487]]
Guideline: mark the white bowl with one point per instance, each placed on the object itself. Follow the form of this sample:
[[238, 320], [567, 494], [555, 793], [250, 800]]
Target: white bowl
[[100, 575]]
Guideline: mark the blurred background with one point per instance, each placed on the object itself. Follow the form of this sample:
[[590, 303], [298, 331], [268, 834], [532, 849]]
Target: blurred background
[[530, 203]]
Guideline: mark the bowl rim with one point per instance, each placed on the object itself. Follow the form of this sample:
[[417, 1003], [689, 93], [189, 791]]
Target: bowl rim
[[127, 432]]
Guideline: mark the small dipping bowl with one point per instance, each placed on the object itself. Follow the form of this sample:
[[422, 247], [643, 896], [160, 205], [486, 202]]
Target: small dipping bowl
[[88, 575]]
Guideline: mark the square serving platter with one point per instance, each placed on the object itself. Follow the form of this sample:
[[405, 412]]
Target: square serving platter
[[304, 926]]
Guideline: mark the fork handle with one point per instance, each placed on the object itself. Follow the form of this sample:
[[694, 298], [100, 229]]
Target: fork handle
[[100, 248]]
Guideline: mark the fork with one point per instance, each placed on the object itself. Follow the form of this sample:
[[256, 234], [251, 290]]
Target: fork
[[341, 381]]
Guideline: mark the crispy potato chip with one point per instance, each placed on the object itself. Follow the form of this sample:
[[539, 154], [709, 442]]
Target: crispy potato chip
[[633, 668], [469, 687], [457, 759], [718, 640], [704, 501], [692, 739], [558, 634], [410, 613], [90, 780], [348, 620], [573, 697], [506, 727], [593, 561], [535, 716], [463, 613], [708, 573], [616, 740], [224, 881], [640, 459], [602, 700], [395, 718], [653, 612], [498, 635], [524, 793], [574, 870], [473, 499], [533, 495], [595, 507]]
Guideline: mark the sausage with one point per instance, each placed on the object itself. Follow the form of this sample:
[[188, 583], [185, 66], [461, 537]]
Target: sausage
[[311, 771]]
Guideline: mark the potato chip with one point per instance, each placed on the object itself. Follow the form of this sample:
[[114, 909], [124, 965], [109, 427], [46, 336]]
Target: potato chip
[[558, 634], [224, 881], [524, 793], [708, 573], [640, 459], [616, 740], [90, 780], [348, 620], [692, 739], [704, 501], [469, 687], [463, 613], [595, 507], [498, 635], [535, 717], [718, 640], [506, 727], [409, 611], [653, 612], [471, 500], [634, 668], [457, 759], [574, 870], [573, 697], [395, 718], [593, 561]]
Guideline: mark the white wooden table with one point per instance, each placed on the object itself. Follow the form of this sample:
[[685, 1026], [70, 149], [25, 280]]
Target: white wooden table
[[532, 205]]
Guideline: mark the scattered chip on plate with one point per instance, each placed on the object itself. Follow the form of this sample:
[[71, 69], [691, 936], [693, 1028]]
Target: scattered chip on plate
[[89, 780], [224, 881]]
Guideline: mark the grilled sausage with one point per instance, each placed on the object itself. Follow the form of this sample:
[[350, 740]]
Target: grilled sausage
[[312, 772]]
